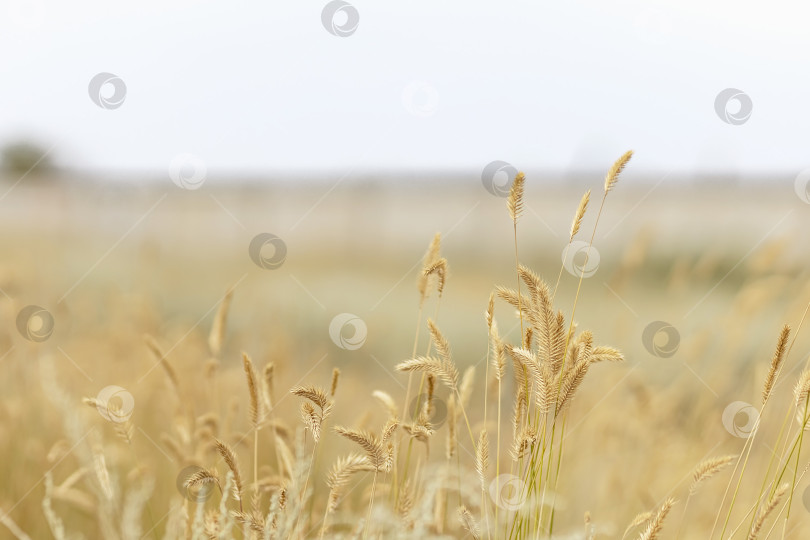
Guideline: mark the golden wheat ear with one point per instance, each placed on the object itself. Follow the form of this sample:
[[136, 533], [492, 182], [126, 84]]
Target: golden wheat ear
[[656, 524], [583, 206], [229, 456], [160, 357], [766, 511], [468, 522], [217, 335], [613, 174], [776, 362], [253, 391], [431, 256], [515, 200], [334, 385], [439, 267], [482, 458], [708, 468]]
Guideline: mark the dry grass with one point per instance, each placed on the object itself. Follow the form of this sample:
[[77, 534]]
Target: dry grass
[[433, 464]]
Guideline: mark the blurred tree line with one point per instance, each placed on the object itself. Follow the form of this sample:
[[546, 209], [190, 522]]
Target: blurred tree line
[[25, 157]]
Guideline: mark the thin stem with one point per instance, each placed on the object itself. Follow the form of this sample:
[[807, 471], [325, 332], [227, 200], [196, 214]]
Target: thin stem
[[749, 443], [498, 450], [256, 458], [556, 477], [370, 504], [517, 271], [148, 506], [306, 483], [683, 515], [325, 518], [419, 393], [559, 274], [796, 466]]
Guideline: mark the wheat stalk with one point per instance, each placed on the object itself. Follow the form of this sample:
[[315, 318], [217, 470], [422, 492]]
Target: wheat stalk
[[253, 392], [229, 456], [468, 522], [217, 335], [766, 511], [445, 371], [333, 386], [613, 174], [440, 269], [583, 206], [708, 468], [160, 357], [776, 362], [515, 200], [656, 524]]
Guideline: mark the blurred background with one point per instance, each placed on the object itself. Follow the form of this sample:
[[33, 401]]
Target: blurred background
[[306, 153]]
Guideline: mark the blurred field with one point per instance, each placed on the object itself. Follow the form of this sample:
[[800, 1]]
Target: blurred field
[[725, 264]]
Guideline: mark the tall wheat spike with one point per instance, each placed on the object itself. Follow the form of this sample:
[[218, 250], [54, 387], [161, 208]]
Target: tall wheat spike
[[583, 206], [160, 356], [431, 256], [766, 511], [656, 523], [776, 362], [229, 456], [469, 523], [708, 468], [217, 335], [613, 174], [515, 205], [253, 391]]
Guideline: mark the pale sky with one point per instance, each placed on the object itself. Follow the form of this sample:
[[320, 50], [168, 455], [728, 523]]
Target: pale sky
[[264, 86]]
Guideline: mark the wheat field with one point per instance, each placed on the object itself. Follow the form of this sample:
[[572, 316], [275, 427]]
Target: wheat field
[[596, 360]]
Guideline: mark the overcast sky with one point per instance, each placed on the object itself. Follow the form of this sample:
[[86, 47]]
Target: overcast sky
[[265, 86]]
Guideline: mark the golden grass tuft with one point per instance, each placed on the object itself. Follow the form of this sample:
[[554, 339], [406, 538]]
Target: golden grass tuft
[[229, 456], [253, 391], [538, 369], [515, 200], [708, 468], [431, 256], [468, 521], [656, 523], [217, 335], [613, 173], [776, 362], [444, 370], [160, 357], [439, 267], [767, 510], [583, 206]]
